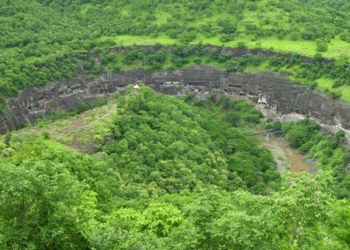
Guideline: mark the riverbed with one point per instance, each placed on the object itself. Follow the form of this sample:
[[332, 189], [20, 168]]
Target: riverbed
[[287, 158]]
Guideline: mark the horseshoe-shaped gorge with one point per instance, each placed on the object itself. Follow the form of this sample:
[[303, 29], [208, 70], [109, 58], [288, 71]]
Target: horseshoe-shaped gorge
[[274, 94]]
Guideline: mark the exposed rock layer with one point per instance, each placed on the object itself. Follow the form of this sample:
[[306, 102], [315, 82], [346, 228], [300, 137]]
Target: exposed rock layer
[[272, 91]]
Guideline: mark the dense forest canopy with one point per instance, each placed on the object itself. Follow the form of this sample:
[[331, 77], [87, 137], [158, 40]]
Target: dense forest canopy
[[171, 174]]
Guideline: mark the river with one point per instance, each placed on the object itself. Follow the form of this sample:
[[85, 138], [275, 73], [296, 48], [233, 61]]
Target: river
[[286, 157]]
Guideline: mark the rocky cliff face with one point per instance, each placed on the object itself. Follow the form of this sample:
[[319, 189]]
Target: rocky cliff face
[[272, 92]]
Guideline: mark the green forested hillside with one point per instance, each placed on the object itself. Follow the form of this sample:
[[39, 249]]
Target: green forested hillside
[[42, 41], [172, 174], [220, 20]]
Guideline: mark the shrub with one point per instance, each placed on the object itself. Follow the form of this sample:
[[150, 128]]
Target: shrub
[[45, 134]]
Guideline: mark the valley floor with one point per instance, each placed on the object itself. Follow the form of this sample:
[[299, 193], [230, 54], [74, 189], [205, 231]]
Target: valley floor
[[286, 157]]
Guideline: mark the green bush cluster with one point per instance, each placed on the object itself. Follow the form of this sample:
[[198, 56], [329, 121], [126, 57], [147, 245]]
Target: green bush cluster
[[172, 139]]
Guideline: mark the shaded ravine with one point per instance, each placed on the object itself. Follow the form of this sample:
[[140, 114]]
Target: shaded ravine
[[287, 158]]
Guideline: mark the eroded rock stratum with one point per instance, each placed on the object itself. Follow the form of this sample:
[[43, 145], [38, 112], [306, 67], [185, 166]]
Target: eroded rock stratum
[[273, 92]]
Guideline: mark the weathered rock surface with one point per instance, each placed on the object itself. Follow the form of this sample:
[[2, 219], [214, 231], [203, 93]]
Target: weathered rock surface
[[273, 92]]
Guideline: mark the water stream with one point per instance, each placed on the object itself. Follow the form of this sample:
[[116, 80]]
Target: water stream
[[286, 157]]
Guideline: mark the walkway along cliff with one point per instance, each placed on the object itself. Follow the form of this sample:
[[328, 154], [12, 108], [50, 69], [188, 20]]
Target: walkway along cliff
[[274, 93]]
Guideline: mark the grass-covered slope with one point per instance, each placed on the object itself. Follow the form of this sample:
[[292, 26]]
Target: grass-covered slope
[[285, 25]]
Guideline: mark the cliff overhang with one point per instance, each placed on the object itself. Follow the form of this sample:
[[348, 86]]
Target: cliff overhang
[[272, 92]]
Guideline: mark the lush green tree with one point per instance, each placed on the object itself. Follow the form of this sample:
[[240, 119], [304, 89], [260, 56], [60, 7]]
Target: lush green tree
[[339, 222], [321, 46], [37, 209]]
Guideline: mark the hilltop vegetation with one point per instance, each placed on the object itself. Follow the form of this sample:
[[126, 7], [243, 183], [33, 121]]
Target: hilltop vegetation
[[222, 20], [44, 41], [171, 174]]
